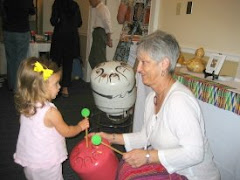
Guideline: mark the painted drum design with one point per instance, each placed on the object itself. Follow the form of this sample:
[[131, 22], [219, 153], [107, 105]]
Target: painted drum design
[[113, 86]]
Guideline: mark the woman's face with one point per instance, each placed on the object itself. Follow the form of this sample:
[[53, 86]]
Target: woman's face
[[53, 85], [148, 68]]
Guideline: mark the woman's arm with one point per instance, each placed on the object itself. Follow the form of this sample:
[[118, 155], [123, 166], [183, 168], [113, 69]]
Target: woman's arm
[[55, 16], [112, 138], [122, 11]]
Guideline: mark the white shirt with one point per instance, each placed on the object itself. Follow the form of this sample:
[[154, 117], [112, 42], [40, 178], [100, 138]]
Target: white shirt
[[102, 17], [39, 146], [177, 132]]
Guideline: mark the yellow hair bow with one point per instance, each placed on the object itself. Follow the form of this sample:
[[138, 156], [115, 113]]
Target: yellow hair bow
[[46, 72]]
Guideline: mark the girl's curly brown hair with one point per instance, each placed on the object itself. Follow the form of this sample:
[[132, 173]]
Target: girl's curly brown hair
[[31, 87]]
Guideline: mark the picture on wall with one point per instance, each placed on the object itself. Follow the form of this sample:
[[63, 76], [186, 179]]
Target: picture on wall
[[215, 63]]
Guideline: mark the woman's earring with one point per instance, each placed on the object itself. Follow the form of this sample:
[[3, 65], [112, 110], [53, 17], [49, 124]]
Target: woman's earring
[[163, 73]]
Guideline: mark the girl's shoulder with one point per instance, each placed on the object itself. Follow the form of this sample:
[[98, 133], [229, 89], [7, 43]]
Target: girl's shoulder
[[49, 104], [52, 114], [45, 107]]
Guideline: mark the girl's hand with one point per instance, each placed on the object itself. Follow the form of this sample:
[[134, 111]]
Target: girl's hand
[[135, 158], [84, 124]]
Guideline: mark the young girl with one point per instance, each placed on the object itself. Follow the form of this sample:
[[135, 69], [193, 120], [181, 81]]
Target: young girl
[[41, 146]]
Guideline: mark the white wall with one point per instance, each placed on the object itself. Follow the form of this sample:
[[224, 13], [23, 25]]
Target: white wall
[[84, 8], [214, 24], [46, 15]]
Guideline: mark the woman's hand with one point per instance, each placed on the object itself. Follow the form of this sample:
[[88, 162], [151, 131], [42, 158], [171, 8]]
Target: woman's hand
[[109, 43], [103, 135], [136, 157]]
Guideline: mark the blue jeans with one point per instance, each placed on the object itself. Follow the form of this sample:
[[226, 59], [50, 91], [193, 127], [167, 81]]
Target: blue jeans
[[16, 48]]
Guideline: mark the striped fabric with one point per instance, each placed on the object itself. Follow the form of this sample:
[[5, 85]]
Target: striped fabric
[[145, 172], [211, 92]]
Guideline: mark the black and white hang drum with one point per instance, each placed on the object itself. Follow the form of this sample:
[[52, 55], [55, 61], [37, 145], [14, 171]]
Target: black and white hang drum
[[113, 86]]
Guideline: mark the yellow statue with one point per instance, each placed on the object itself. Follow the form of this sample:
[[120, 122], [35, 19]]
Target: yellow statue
[[196, 64]]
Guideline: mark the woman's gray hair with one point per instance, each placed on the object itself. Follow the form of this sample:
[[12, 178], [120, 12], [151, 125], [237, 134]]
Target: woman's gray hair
[[160, 45]]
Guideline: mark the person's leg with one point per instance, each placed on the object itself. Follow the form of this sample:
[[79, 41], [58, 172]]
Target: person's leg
[[98, 49], [16, 48], [53, 173], [10, 51], [67, 73], [22, 46], [145, 172]]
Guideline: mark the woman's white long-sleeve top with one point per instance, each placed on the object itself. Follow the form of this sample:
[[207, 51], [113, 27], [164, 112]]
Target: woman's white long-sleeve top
[[177, 131]]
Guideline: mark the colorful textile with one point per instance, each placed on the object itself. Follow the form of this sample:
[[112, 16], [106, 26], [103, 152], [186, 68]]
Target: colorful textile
[[211, 92], [145, 172]]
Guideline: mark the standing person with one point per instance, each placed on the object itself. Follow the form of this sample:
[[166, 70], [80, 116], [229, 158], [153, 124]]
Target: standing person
[[172, 142], [66, 19], [41, 146], [101, 35], [16, 34], [134, 15], [125, 17]]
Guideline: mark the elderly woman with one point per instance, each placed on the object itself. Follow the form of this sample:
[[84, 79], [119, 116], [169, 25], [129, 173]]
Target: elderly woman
[[172, 143]]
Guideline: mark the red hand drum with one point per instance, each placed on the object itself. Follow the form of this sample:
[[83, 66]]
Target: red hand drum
[[94, 162]]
